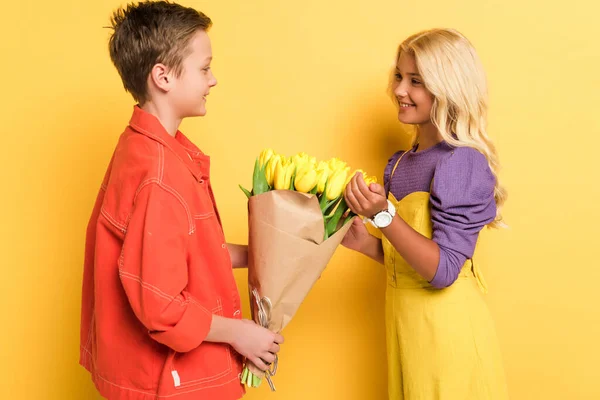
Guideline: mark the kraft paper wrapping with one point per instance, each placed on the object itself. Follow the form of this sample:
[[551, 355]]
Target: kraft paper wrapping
[[286, 251]]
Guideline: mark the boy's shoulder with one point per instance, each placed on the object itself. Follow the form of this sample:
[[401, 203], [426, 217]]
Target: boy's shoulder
[[137, 158], [138, 162]]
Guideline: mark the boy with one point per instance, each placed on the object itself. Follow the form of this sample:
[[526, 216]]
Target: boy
[[160, 307]]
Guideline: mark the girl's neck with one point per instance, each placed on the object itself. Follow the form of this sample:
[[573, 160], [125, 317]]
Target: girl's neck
[[429, 136]]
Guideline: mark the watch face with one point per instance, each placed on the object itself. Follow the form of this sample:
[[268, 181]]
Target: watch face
[[383, 219]]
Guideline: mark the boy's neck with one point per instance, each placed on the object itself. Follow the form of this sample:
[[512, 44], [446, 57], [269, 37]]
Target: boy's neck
[[169, 121]]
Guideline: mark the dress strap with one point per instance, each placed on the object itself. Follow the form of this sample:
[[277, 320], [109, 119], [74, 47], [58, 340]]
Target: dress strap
[[396, 165]]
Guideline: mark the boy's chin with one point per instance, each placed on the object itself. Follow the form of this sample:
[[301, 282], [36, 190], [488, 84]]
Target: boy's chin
[[200, 112]]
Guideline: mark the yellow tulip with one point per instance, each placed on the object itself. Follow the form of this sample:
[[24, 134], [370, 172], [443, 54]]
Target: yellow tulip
[[264, 157], [283, 175], [364, 174], [270, 169], [336, 163], [370, 179], [300, 157], [306, 178], [336, 184], [323, 173], [303, 158]]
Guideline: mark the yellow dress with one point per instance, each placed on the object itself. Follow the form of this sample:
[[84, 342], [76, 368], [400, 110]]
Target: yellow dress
[[441, 343]]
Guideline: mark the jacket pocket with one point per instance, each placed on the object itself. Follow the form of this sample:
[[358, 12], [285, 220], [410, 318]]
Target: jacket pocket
[[205, 364]]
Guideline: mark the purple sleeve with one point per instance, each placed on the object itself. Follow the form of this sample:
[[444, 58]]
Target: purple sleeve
[[388, 170], [462, 203]]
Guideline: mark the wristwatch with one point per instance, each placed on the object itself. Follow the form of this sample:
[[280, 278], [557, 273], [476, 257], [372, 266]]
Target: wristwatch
[[383, 218]]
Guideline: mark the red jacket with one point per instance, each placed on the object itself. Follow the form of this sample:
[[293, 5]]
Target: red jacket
[[156, 268]]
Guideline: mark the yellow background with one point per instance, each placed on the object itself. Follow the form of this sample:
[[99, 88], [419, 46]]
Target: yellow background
[[311, 76]]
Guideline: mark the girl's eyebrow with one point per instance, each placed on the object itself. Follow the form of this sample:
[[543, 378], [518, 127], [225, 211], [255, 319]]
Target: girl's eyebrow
[[409, 73]]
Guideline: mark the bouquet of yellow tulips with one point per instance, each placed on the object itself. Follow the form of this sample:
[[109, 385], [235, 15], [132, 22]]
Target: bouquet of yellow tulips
[[297, 216], [326, 179]]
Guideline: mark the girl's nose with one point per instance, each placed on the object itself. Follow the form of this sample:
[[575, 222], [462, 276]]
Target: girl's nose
[[400, 91]]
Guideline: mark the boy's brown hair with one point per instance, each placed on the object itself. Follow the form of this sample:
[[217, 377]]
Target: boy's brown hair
[[148, 33]]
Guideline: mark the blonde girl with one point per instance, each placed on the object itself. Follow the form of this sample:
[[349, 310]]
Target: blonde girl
[[436, 198]]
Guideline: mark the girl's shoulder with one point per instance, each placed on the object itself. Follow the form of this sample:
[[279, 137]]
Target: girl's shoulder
[[463, 159], [394, 157], [463, 171], [391, 162]]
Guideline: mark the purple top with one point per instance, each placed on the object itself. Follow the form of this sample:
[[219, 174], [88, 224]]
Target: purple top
[[462, 199]]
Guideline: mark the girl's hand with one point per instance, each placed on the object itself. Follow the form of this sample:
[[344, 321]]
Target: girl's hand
[[365, 200], [357, 236]]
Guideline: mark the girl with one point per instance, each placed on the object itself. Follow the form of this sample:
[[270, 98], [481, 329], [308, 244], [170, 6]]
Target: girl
[[436, 198]]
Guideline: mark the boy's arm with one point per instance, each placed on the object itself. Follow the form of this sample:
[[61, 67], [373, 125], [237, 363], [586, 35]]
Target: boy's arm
[[238, 254], [153, 271]]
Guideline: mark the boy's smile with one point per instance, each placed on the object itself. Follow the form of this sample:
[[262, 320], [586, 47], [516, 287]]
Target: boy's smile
[[193, 85]]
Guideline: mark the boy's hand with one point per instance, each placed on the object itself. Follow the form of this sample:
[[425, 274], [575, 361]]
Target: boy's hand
[[257, 344], [254, 369]]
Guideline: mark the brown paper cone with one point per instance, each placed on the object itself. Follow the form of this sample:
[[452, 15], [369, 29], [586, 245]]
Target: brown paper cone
[[286, 251]]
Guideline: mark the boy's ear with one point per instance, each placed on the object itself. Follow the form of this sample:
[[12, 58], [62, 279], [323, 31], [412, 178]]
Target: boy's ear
[[161, 77]]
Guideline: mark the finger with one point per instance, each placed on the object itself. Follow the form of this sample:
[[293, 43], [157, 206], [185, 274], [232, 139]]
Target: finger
[[364, 189], [268, 358], [346, 191], [377, 188], [278, 339], [347, 188], [360, 197], [274, 348], [374, 198], [259, 364], [349, 196], [352, 202], [254, 369]]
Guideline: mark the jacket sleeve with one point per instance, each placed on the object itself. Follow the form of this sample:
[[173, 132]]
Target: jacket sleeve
[[154, 272]]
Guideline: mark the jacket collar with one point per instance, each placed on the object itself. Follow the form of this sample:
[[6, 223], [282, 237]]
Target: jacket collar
[[147, 124]]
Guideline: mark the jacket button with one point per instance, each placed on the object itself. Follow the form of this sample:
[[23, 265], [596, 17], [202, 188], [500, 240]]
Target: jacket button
[[200, 180], [223, 245]]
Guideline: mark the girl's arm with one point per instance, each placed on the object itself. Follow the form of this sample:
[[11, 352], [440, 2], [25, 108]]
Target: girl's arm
[[462, 203], [359, 239], [421, 253]]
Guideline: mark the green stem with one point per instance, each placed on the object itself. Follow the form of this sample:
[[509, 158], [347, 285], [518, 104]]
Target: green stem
[[332, 224]]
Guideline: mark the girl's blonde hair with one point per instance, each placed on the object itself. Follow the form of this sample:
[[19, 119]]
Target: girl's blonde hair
[[453, 73]]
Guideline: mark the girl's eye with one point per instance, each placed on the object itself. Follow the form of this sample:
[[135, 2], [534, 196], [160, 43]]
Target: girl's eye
[[398, 77], [416, 82], [206, 69]]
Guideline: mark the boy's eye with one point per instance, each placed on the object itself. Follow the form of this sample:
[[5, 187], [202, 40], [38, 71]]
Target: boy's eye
[[206, 69]]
